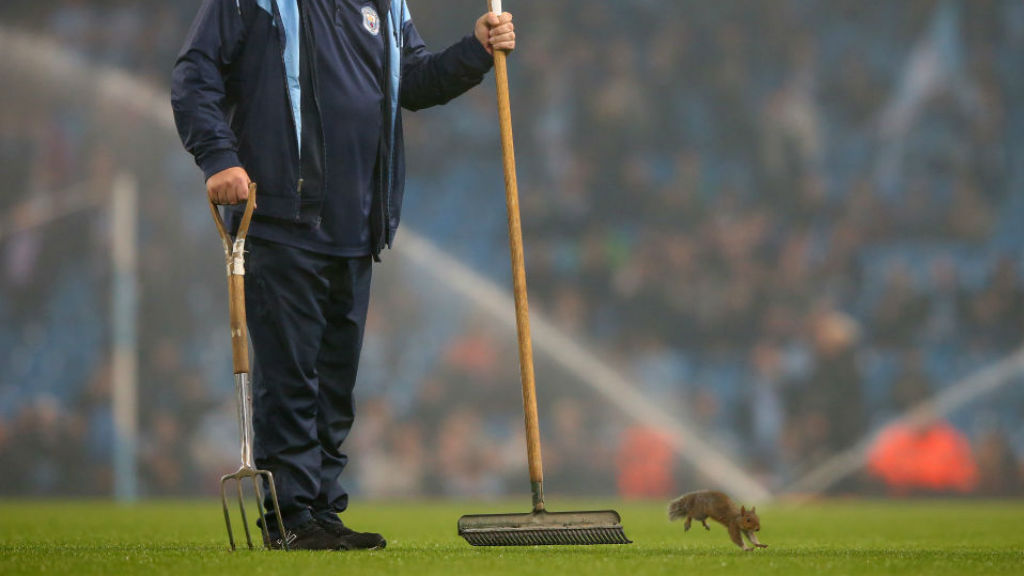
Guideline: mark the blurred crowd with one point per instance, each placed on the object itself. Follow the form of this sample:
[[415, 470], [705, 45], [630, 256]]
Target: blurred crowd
[[785, 222]]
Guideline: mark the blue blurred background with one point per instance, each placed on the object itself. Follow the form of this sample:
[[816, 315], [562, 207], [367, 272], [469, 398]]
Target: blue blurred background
[[784, 223]]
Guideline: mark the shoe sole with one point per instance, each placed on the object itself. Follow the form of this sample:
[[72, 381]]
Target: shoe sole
[[381, 546]]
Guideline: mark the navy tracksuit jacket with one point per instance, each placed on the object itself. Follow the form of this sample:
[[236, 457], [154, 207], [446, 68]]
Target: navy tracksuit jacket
[[235, 99], [241, 97]]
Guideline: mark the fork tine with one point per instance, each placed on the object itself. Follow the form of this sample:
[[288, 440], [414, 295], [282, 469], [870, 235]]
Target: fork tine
[[277, 506], [245, 521], [259, 508], [227, 513]]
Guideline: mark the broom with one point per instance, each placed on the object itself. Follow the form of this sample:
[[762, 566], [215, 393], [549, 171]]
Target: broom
[[538, 527]]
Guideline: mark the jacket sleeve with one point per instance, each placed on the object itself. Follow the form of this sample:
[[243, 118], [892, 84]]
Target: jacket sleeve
[[431, 79], [198, 94]]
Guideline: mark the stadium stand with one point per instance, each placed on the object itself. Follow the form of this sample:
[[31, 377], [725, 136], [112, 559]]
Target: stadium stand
[[784, 231]]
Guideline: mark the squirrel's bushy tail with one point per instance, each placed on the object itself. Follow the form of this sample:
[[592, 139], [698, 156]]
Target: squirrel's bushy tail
[[678, 508]]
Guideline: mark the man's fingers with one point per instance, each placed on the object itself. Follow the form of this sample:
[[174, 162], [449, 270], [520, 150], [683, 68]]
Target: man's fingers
[[503, 38], [225, 198], [242, 190], [240, 194], [230, 193], [230, 186], [502, 29], [494, 20], [496, 31]]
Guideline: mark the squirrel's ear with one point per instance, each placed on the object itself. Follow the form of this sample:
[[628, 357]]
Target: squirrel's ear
[[754, 509], [743, 509]]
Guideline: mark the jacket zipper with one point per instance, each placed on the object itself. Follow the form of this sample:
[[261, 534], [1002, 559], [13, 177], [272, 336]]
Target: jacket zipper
[[390, 121], [393, 120], [314, 80], [385, 200], [291, 110]]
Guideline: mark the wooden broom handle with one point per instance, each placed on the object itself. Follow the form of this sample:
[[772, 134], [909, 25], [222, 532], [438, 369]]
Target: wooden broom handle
[[515, 241], [234, 253]]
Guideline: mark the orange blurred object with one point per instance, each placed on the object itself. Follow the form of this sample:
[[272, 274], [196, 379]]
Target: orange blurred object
[[933, 457], [644, 464]]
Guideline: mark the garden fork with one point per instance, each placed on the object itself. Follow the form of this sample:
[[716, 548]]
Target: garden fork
[[234, 253]]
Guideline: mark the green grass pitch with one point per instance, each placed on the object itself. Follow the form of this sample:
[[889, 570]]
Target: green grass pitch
[[840, 537]]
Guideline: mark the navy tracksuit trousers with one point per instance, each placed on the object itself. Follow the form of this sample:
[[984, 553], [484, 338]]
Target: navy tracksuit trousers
[[306, 314]]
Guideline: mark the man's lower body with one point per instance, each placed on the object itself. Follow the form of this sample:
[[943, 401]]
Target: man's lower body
[[306, 314]]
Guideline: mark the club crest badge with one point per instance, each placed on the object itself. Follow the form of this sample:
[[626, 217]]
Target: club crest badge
[[371, 21]]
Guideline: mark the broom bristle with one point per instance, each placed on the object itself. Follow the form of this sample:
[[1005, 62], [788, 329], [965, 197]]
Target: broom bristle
[[542, 528], [546, 537]]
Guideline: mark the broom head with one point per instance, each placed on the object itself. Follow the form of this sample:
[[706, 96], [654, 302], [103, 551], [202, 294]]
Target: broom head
[[543, 529]]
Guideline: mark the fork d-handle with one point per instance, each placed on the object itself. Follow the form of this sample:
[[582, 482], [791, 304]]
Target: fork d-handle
[[234, 254], [515, 238]]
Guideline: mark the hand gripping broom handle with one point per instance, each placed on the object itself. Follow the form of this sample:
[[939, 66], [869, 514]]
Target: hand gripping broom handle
[[515, 240]]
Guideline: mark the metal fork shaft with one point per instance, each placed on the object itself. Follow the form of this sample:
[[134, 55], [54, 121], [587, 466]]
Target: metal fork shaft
[[243, 396]]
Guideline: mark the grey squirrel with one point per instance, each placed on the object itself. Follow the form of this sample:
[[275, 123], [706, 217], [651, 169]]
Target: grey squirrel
[[704, 504]]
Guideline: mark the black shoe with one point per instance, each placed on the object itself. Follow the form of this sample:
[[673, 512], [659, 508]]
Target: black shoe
[[309, 536], [348, 539]]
